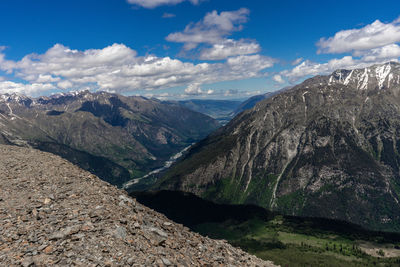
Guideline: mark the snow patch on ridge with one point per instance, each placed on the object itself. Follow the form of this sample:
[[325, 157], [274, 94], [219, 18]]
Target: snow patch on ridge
[[330, 80], [347, 80], [377, 76], [364, 80], [291, 145], [381, 73]]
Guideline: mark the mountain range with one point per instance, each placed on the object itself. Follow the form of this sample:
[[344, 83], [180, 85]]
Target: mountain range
[[221, 110], [328, 147], [113, 136], [225, 110]]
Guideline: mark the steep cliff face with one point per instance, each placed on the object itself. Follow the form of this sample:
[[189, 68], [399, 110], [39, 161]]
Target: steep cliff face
[[329, 147], [114, 136], [53, 213]]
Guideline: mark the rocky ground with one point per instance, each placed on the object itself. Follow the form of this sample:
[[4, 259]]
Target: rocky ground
[[54, 214]]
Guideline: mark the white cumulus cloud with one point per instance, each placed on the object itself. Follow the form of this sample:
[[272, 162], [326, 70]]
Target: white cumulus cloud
[[278, 78], [228, 48], [249, 65], [376, 34], [194, 89], [212, 29], [385, 53], [210, 36], [10, 87], [297, 61]]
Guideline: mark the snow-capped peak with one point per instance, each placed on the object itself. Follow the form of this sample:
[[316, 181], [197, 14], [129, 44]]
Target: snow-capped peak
[[14, 97], [382, 73], [374, 77]]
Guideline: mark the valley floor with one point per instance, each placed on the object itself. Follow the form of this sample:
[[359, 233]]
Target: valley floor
[[286, 240]]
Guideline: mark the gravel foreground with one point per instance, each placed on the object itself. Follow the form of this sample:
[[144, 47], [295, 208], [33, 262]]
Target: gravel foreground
[[53, 213]]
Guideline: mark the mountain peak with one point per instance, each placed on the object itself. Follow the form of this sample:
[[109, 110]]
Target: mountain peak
[[13, 97], [71, 93], [379, 76], [332, 139]]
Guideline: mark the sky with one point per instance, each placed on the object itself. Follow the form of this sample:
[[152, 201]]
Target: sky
[[182, 49]]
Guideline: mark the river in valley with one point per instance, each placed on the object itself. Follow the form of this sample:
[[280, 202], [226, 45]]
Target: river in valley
[[167, 164]]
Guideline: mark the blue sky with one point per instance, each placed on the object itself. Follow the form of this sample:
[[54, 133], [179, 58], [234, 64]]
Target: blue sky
[[188, 48]]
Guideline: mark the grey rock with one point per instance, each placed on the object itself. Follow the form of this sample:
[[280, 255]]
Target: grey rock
[[166, 261], [65, 233], [27, 262], [120, 232], [158, 232], [126, 199], [130, 261], [41, 247]]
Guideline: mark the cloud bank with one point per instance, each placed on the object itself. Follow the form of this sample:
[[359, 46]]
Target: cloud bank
[[118, 68]]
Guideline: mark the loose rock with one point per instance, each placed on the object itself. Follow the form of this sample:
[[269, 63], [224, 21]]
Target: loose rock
[[53, 213]]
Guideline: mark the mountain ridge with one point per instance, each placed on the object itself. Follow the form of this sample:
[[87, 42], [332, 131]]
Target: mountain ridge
[[133, 134], [322, 148]]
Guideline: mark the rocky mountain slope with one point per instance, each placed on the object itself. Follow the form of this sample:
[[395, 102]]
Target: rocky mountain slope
[[113, 136], [329, 147], [252, 101], [249, 103], [53, 213]]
